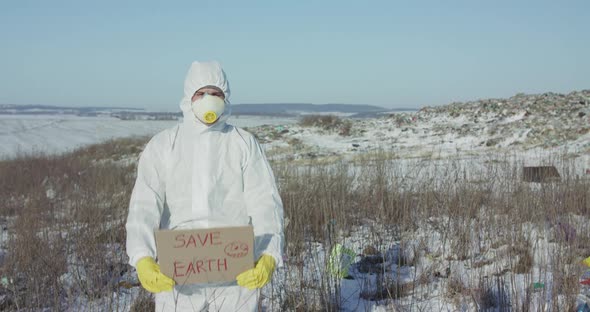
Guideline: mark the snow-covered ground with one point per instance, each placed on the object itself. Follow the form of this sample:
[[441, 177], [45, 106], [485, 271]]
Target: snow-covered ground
[[537, 128], [432, 139], [60, 133], [424, 144]]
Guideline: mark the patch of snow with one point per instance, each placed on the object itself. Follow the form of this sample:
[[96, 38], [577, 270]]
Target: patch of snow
[[57, 134]]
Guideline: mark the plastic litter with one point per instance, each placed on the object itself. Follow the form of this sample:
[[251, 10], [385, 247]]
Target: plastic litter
[[341, 258], [538, 286], [583, 307]]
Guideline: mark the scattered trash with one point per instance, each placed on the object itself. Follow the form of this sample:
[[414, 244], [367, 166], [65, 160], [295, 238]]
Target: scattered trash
[[371, 264], [538, 286], [586, 262], [341, 258], [4, 281], [492, 142], [547, 120], [583, 307], [522, 121], [446, 273], [370, 250], [585, 278]]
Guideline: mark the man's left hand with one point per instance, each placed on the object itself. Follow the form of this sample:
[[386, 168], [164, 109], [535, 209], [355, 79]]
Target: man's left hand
[[260, 275]]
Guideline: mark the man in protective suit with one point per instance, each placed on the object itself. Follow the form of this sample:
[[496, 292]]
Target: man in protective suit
[[204, 173]]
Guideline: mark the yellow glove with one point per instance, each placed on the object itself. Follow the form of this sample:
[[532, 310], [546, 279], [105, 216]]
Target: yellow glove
[[148, 272], [586, 261], [259, 275]]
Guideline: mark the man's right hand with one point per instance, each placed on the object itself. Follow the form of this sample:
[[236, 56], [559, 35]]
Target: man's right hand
[[150, 277]]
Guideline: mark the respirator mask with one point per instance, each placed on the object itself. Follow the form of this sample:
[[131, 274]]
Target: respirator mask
[[208, 109]]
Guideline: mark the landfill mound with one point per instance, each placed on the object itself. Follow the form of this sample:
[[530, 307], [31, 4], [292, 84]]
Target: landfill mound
[[547, 120], [553, 122]]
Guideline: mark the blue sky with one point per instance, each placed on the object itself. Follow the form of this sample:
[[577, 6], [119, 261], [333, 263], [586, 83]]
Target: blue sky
[[387, 53]]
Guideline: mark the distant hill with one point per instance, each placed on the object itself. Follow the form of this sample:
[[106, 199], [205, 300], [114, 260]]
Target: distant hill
[[278, 109], [11, 109], [125, 113], [296, 109]]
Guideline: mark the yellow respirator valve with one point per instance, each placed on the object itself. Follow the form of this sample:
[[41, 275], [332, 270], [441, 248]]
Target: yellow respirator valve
[[210, 117]]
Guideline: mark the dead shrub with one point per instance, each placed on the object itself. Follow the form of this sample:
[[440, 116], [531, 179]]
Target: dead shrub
[[35, 174], [92, 275], [144, 302], [493, 294], [568, 286], [523, 253], [345, 128], [317, 202], [328, 123], [455, 287], [36, 261]]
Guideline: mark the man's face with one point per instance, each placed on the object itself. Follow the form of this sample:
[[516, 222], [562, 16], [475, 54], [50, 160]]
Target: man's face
[[214, 91]]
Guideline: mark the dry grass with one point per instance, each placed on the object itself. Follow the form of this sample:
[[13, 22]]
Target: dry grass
[[65, 216], [145, 302], [523, 253], [328, 123], [493, 295], [324, 202]]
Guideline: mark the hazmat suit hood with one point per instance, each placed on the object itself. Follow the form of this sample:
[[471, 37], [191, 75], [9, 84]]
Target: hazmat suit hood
[[203, 74]]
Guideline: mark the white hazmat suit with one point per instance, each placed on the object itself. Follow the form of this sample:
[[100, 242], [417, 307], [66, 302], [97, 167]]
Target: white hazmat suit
[[199, 176]]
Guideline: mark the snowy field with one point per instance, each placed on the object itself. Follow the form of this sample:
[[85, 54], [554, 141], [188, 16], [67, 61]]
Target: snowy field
[[474, 235], [56, 134]]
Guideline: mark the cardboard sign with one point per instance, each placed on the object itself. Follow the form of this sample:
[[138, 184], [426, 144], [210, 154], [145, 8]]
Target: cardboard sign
[[205, 255]]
